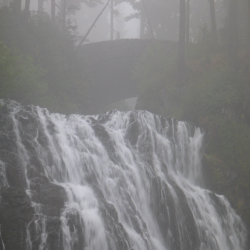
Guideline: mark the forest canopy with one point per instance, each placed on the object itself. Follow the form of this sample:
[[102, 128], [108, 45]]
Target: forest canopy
[[42, 65]]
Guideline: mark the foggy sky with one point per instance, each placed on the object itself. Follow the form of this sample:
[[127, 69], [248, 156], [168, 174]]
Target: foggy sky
[[85, 17]]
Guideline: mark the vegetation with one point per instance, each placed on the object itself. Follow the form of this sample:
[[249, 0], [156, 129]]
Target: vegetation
[[215, 97], [21, 79], [41, 64]]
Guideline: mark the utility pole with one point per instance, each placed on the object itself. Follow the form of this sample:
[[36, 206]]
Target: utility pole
[[53, 10], [17, 6], [112, 20], [148, 20], [27, 6], [187, 21], [182, 44], [142, 24], [27, 9], [213, 18], [233, 32], [64, 6], [40, 6]]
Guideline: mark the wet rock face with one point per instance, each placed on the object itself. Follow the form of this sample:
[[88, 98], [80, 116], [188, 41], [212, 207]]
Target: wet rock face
[[16, 209], [15, 213], [50, 196]]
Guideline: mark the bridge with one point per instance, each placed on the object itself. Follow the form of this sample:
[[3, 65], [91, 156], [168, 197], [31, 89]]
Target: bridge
[[111, 65]]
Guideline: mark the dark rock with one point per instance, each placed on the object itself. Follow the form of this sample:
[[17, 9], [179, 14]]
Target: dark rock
[[51, 199], [15, 213], [49, 195]]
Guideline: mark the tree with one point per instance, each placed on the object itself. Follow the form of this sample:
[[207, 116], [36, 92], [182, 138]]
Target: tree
[[63, 10], [213, 17], [50, 64], [233, 32], [53, 10], [40, 6], [112, 20], [247, 88], [27, 6], [20, 79], [7, 71], [140, 13], [142, 24], [182, 44], [16, 6], [248, 34], [188, 18], [65, 7], [161, 16]]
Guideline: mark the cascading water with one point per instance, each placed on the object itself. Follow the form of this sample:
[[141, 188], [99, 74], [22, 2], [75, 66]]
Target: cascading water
[[132, 181]]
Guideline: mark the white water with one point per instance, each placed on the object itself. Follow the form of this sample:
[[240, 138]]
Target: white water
[[3, 178], [150, 176]]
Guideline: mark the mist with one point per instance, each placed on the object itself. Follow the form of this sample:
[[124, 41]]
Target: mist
[[124, 124]]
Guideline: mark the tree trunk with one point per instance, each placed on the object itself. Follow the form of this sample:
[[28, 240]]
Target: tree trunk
[[17, 6], [149, 28], [40, 6], [142, 24], [213, 18], [247, 89], [187, 22], [64, 15], [53, 10], [233, 32], [112, 20], [248, 35], [27, 7], [181, 45]]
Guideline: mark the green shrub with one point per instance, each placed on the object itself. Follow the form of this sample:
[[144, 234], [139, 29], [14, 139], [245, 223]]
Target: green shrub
[[20, 79], [216, 92], [55, 75]]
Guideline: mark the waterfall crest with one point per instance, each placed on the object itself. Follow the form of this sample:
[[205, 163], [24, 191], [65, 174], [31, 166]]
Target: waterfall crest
[[130, 180]]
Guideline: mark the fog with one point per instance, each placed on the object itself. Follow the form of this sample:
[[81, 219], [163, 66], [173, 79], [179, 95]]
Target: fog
[[91, 21], [86, 15], [163, 16], [124, 124]]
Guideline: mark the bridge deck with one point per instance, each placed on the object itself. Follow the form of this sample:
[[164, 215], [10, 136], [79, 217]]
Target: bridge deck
[[111, 65]]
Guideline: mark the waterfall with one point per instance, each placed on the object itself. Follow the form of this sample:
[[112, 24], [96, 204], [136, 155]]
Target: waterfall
[[132, 180]]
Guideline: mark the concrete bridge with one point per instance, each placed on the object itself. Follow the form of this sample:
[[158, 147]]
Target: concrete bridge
[[111, 65]]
